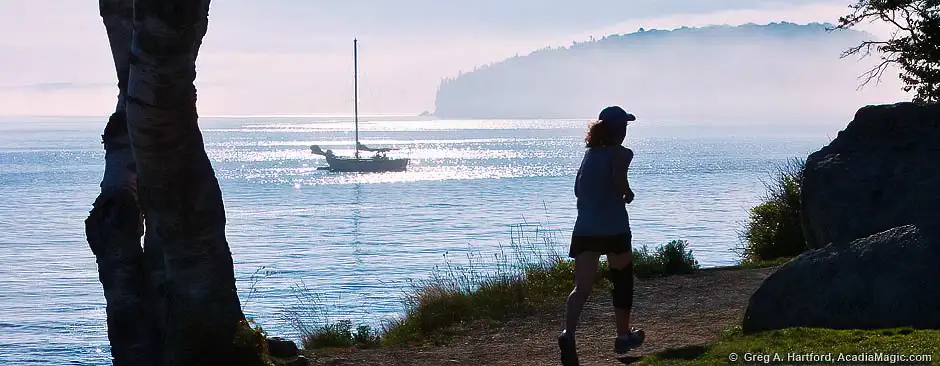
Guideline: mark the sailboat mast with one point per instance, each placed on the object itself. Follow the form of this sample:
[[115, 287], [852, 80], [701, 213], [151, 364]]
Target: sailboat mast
[[356, 90]]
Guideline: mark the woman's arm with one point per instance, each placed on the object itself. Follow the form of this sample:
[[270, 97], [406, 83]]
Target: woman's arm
[[622, 161], [577, 180]]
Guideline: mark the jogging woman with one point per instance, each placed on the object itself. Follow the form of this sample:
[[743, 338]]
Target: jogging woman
[[603, 228]]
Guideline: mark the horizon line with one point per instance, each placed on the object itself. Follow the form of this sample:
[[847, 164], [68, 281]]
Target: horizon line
[[296, 115]]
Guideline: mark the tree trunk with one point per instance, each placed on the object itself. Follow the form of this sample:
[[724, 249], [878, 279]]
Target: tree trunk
[[114, 227], [179, 192]]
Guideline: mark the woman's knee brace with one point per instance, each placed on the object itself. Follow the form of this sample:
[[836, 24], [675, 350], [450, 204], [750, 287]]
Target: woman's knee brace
[[622, 289]]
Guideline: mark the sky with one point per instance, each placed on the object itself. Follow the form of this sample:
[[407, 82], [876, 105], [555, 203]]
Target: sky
[[294, 57]]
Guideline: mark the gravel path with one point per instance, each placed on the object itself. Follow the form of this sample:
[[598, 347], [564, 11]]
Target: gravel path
[[675, 312]]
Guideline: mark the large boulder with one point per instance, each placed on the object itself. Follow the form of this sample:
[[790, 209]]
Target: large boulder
[[881, 172], [890, 279]]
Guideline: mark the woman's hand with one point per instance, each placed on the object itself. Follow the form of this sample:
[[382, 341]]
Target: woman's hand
[[628, 198]]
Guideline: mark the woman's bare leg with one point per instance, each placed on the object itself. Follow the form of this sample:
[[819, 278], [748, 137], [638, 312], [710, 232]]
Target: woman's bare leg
[[621, 265], [585, 269]]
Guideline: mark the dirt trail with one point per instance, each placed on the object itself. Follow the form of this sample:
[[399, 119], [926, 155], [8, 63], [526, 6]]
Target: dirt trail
[[675, 312]]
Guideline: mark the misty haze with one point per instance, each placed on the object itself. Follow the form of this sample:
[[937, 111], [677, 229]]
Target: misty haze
[[753, 74]]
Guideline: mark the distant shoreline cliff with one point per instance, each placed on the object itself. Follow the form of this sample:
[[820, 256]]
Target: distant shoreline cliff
[[747, 71]]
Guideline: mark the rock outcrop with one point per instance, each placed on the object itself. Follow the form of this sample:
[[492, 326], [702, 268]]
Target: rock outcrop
[[881, 172], [871, 212]]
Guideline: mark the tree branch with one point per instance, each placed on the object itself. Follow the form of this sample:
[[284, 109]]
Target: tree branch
[[867, 46], [856, 17], [890, 19], [876, 72]]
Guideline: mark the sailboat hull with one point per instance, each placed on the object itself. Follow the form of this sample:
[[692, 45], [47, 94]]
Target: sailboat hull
[[352, 165], [377, 164]]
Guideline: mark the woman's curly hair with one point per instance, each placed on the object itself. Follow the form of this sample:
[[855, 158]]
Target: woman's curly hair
[[602, 133]]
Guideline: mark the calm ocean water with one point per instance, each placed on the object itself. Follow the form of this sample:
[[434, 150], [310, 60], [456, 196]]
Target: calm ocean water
[[355, 239]]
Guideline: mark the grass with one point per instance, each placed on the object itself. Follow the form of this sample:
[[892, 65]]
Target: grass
[[527, 277], [774, 229], [777, 346], [761, 264], [440, 304], [530, 276], [309, 317]]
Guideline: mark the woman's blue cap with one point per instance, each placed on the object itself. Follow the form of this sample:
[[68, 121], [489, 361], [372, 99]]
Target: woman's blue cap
[[616, 114]]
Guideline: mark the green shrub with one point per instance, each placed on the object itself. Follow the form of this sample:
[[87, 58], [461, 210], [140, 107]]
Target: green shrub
[[677, 258], [340, 335], [251, 344], [366, 337], [672, 258], [646, 263], [774, 229]]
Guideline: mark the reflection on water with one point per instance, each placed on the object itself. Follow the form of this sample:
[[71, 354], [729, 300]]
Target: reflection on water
[[356, 215], [354, 239]]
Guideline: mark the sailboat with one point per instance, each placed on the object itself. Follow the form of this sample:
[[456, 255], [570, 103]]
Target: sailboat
[[375, 164]]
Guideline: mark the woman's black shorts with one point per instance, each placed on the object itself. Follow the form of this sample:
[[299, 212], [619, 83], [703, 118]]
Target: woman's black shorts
[[610, 244]]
